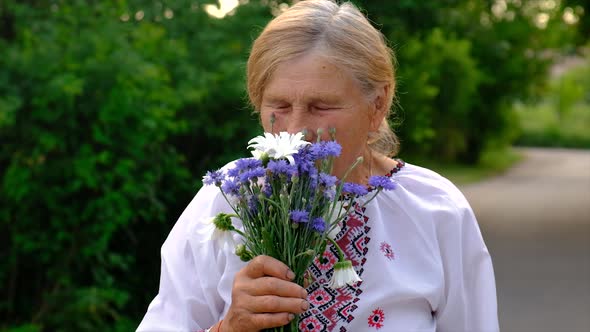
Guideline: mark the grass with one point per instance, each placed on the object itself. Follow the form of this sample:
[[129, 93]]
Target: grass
[[492, 163], [542, 125]]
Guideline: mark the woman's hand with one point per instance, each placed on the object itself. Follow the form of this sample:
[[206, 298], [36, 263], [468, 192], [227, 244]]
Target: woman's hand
[[263, 296]]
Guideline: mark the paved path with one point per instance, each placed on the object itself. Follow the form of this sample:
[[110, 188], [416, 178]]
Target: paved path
[[536, 222]]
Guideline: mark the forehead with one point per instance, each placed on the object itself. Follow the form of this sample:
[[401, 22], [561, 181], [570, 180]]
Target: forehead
[[311, 75]]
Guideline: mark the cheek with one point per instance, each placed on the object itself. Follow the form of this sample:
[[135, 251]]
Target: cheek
[[351, 144], [353, 138], [352, 132]]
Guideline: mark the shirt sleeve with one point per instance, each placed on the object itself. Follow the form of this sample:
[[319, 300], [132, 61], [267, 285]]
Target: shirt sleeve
[[469, 303], [196, 273]]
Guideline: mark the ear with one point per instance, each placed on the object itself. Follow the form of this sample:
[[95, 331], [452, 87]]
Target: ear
[[380, 103]]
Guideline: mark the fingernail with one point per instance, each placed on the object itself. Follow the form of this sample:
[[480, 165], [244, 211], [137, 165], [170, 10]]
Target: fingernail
[[304, 294], [291, 317], [290, 275], [304, 305]]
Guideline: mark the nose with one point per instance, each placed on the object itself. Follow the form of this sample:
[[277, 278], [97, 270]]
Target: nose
[[299, 121]]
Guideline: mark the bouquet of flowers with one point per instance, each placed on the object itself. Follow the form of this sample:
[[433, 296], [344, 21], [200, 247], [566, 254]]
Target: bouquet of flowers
[[289, 203]]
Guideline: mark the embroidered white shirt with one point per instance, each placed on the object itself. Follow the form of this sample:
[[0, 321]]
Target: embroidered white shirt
[[418, 249]]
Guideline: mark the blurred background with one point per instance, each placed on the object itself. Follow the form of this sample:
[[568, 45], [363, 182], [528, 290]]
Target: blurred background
[[111, 112]]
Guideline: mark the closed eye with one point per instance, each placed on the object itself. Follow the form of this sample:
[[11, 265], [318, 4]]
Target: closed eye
[[279, 107], [326, 108]]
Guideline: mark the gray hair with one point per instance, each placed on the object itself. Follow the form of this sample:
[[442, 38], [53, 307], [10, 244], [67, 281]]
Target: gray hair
[[345, 36]]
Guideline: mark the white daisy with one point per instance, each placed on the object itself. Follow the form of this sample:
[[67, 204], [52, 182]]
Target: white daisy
[[218, 228], [344, 274], [283, 145]]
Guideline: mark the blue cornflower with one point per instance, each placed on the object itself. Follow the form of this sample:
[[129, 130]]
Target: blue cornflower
[[330, 194], [231, 187], [299, 216], [251, 174], [248, 163], [304, 160], [267, 190], [253, 205], [281, 166], [327, 180], [215, 177], [381, 182], [318, 224], [325, 149], [233, 172], [315, 150], [331, 148], [354, 189], [243, 165], [313, 178]]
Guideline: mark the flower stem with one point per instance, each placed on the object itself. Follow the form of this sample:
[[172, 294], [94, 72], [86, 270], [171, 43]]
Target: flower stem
[[358, 161], [372, 197], [340, 252]]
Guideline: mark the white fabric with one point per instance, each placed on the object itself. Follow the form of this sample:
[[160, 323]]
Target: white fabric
[[439, 277]]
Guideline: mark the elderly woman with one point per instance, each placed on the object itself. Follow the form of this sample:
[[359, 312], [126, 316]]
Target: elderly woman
[[418, 248]]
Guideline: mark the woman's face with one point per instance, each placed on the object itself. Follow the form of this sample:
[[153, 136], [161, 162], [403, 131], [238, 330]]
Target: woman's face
[[309, 92]]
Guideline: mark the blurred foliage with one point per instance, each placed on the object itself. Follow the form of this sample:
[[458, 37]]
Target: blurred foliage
[[581, 8], [571, 89], [110, 112], [562, 117], [107, 121], [462, 63]]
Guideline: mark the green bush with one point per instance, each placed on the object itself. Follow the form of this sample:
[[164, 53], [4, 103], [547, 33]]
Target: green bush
[[107, 125], [461, 65], [439, 88]]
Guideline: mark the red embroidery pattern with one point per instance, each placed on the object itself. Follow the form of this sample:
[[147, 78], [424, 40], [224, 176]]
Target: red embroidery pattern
[[387, 251], [318, 297], [331, 309], [327, 261], [376, 319], [311, 324]]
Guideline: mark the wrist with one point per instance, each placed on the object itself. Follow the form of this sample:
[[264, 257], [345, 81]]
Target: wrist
[[216, 327]]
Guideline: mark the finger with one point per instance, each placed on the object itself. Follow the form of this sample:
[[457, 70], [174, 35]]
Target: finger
[[262, 266], [268, 320], [275, 286], [272, 304]]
